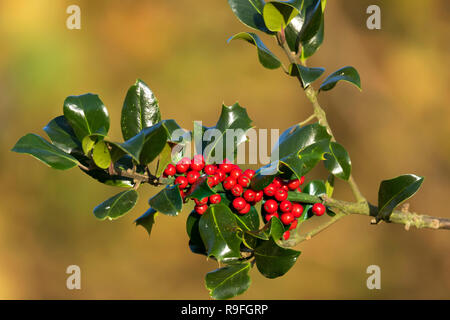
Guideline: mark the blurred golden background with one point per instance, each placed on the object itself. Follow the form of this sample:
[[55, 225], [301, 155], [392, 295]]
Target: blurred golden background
[[398, 124]]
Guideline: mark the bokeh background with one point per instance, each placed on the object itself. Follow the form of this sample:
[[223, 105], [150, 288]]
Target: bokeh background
[[398, 124]]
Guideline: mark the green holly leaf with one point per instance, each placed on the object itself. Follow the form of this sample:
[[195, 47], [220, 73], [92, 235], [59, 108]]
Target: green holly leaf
[[274, 261], [101, 155], [214, 142], [348, 74], [62, 135], [249, 221], [337, 161], [304, 27], [44, 151], [229, 281], [265, 56], [301, 148], [192, 228], [116, 206], [140, 110], [309, 47], [218, 230], [305, 74], [278, 14], [249, 12], [132, 146], [165, 158], [168, 201], [200, 189], [147, 220], [393, 192], [87, 115]]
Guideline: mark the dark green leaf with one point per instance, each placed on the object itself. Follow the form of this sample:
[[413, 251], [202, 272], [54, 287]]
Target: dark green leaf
[[273, 261], [132, 146], [263, 177], [168, 201], [140, 110], [312, 45], [44, 151], [165, 158], [214, 142], [393, 192], [229, 281], [249, 221], [192, 228], [87, 115], [250, 13], [116, 206], [348, 74], [306, 26], [62, 135], [156, 138], [305, 74], [315, 188], [337, 161], [147, 220], [200, 189], [301, 148], [218, 229], [265, 56]]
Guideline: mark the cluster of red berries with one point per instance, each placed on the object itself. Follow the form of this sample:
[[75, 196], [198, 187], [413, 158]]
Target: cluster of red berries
[[232, 178], [236, 183], [277, 205]]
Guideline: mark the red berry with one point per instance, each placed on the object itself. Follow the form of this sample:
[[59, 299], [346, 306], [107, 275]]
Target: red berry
[[287, 218], [201, 201], [302, 180], [221, 175], [235, 173], [270, 206], [210, 169], [286, 206], [269, 190], [246, 209], [277, 182], [249, 195], [192, 176], [239, 203], [318, 209], [182, 167], [299, 190], [229, 183], [197, 166], [249, 173], [259, 196], [182, 182], [212, 181], [293, 184], [286, 235], [281, 195], [243, 180], [201, 209], [270, 215], [285, 187], [226, 167], [297, 210], [293, 225], [237, 190], [215, 198], [170, 170]]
